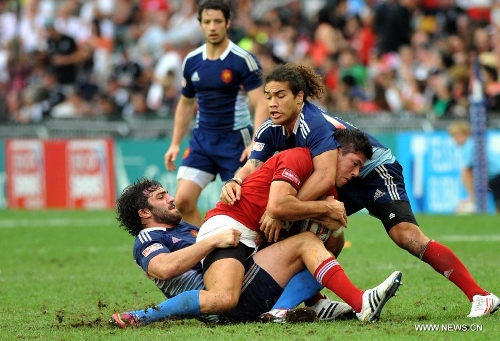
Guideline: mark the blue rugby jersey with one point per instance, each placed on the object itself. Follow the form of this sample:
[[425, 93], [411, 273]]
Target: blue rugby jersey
[[310, 131], [152, 241], [381, 154], [221, 86]]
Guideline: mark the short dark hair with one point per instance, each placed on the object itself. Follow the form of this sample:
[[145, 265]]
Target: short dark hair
[[354, 141], [134, 198], [218, 5]]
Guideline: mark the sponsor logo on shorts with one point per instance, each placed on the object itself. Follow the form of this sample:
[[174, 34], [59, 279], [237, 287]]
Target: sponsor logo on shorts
[[392, 215], [151, 248], [291, 175]]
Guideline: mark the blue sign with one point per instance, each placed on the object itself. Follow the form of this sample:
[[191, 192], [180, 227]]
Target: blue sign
[[432, 165]]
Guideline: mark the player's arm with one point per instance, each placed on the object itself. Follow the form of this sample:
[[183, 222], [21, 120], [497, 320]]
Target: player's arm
[[184, 114], [283, 204], [322, 180], [169, 265], [323, 177], [231, 190]]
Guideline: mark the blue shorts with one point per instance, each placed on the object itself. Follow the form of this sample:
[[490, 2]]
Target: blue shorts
[[217, 153], [258, 295], [381, 191]]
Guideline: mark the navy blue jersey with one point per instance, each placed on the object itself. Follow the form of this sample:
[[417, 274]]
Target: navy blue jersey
[[221, 86], [381, 154], [310, 131], [152, 241]]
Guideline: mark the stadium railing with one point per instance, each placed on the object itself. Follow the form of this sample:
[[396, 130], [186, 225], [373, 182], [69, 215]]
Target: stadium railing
[[160, 128]]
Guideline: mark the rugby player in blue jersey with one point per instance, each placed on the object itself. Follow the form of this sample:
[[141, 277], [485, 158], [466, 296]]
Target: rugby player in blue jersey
[[296, 122], [220, 81]]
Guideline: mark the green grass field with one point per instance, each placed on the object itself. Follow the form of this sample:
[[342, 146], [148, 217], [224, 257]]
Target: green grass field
[[63, 273]]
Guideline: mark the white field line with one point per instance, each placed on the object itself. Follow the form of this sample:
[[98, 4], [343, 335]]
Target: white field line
[[55, 222], [469, 238]]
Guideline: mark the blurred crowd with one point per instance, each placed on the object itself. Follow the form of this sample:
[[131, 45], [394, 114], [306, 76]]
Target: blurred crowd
[[122, 59]]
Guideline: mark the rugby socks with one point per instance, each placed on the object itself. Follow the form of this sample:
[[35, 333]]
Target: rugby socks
[[299, 288], [444, 261], [183, 305], [331, 275]]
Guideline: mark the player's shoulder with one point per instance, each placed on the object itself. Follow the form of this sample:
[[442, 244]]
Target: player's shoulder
[[245, 57], [268, 127], [185, 226], [194, 54], [299, 152], [150, 234]]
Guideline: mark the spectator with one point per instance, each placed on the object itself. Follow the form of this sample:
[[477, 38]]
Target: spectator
[[107, 108], [460, 131], [137, 107], [392, 24], [127, 71], [491, 83], [74, 106], [63, 54]]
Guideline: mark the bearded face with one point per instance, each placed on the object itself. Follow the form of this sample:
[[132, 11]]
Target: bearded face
[[166, 214]]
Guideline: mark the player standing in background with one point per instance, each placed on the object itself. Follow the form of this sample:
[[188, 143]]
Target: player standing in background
[[379, 188], [220, 81]]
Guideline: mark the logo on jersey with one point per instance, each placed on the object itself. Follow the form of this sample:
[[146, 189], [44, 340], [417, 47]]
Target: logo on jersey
[[258, 146], [291, 175], [195, 77], [226, 76], [392, 215], [176, 240], [378, 194], [186, 153], [151, 248], [183, 82], [194, 233]]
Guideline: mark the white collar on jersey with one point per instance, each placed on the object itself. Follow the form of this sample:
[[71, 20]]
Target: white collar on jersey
[[223, 55]]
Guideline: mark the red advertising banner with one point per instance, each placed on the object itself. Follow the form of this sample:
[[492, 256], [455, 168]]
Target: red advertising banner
[[25, 166], [60, 174]]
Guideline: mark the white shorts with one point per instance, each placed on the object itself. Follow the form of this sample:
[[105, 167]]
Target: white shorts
[[220, 223], [198, 176]]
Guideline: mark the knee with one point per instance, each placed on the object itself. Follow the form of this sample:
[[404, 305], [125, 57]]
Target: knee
[[409, 237], [224, 302]]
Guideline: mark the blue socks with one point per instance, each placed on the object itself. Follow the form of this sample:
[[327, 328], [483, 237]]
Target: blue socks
[[299, 288], [186, 304]]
